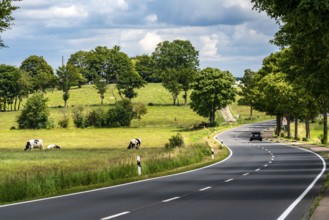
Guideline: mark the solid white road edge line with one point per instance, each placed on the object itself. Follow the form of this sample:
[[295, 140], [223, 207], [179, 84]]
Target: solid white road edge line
[[169, 200], [115, 216], [294, 204]]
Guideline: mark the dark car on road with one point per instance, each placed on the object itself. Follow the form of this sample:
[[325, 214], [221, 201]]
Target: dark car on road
[[256, 135]]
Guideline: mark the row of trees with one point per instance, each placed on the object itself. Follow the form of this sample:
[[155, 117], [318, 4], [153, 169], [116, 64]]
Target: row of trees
[[304, 30], [270, 90], [173, 63]]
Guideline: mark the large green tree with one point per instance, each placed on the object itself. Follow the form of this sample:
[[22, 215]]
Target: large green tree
[[305, 29], [180, 60], [145, 65], [6, 18], [41, 72], [116, 67], [212, 91], [80, 60], [14, 85]]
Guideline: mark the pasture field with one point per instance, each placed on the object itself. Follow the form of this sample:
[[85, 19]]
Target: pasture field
[[96, 157]]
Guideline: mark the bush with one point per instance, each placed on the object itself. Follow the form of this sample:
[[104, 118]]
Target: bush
[[121, 115], [78, 117], [35, 114], [96, 118], [64, 122], [175, 141]]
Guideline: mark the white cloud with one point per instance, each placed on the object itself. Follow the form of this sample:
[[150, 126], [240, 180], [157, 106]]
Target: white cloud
[[57, 12], [247, 5], [149, 42], [209, 48], [107, 6]]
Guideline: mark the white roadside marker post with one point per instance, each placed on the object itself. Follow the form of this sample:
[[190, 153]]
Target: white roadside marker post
[[212, 153], [139, 165]]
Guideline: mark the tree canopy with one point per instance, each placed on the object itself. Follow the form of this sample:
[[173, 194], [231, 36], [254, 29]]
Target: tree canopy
[[305, 30], [6, 18], [178, 61], [212, 91]]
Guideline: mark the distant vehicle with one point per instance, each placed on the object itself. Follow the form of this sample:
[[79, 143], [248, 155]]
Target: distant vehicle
[[256, 135]]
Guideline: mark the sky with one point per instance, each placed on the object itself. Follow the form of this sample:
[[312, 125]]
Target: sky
[[228, 34]]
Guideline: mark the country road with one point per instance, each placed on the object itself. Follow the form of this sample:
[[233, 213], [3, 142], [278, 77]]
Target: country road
[[260, 180]]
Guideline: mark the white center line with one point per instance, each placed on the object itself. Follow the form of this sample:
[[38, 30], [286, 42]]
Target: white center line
[[265, 165], [257, 170], [245, 174], [115, 216], [229, 180], [209, 187], [168, 200]]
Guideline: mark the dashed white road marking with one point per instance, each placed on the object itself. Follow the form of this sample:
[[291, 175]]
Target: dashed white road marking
[[206, 188], [257, 170], [229, 180], [246, 174], [115, 216], [169, 200], [265, 165]]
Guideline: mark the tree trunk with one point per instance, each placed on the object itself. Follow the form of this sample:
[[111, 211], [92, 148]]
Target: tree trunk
[[325, 127], [251, 109], [307, 128], [278, 125], [288, 126], [185, 98], [296, 128]]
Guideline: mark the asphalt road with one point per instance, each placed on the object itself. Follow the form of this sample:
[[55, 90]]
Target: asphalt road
[[260, 180]]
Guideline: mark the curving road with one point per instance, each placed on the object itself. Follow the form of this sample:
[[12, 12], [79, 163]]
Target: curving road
[[260, 180]]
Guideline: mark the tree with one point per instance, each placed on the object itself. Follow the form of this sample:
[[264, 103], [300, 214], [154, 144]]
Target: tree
[[101, 86], [14, 85], [68, 75], [80, 60], [170, 80], [6, 18], [305, 29], [35, 114], [146, 67], [41, 73], [212, 90], [116, 67], [248, 90], [180, 61]]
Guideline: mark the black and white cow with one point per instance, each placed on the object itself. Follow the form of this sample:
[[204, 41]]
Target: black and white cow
[[34, 143], [135, 143], [54, 146]]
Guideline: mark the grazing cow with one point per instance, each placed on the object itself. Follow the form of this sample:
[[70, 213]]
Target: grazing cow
[[135, 143], [54, 146], [34, 143]]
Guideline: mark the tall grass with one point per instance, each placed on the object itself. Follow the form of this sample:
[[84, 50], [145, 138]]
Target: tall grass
[[40, 181]]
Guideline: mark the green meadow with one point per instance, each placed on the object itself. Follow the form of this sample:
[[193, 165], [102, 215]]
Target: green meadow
[[99, 157]]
